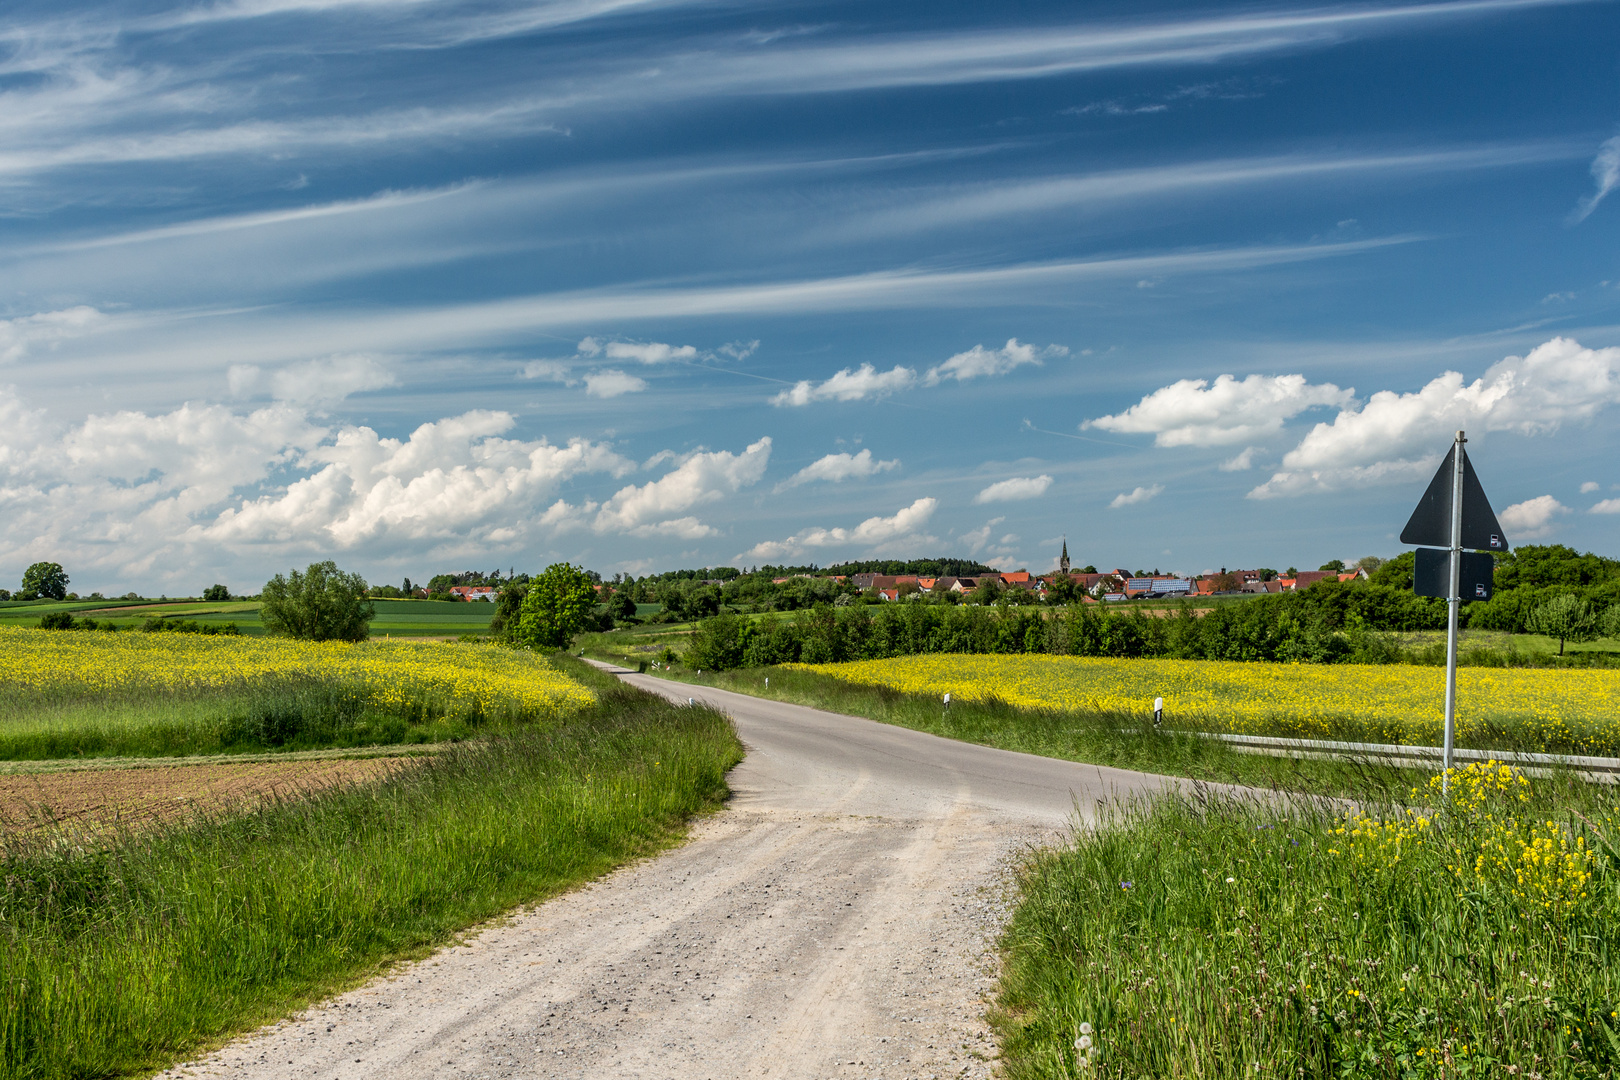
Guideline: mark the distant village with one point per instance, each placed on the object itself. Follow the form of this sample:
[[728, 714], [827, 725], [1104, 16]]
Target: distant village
[[1086, 585]]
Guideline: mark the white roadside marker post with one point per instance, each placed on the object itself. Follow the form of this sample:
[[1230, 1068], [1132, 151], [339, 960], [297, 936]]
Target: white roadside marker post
[[1158, 711]]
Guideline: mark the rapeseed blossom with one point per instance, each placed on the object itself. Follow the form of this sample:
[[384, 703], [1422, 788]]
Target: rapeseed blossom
[[47, 665], [1554, 709]]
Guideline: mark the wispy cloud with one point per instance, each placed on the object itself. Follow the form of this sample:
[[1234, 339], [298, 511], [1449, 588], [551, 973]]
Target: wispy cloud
[[1606, 174], [836, 468], [1015, 489], [1136, 495]]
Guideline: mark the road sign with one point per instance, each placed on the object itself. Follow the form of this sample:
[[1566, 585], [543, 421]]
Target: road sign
[[1430, 525], [1454, 515], [1432, 574]]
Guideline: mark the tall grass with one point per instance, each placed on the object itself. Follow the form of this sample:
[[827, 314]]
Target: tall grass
[[123, 958], [1216, 938], [293, 713]]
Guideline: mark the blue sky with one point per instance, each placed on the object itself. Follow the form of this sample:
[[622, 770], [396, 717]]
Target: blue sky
[[431, 285]]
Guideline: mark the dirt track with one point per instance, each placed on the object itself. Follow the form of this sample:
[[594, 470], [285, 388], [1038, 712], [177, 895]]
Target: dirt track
[[834, 921]]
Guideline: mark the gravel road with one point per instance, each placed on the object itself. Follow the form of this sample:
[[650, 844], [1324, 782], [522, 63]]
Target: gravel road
[[835, 920]]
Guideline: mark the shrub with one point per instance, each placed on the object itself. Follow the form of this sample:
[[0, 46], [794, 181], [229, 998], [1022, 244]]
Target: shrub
[[321, 604]]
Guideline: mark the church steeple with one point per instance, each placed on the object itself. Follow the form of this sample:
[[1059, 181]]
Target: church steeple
[[1063, 560]]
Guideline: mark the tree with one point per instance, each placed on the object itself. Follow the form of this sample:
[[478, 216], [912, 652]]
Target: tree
[[45, 580], [558, 605], [1610, 624], [321, 604], [215, 594], [508, 613], [622, 605], [1566, 617], [1333, 565]]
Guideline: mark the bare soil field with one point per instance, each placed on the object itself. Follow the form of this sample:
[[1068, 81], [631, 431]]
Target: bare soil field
[[94, 799]]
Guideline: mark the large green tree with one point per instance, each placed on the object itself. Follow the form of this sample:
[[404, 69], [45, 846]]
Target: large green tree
[[321, 604], [558, 605], [45, 580]]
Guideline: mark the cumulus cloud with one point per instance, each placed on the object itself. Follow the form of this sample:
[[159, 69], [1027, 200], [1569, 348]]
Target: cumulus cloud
[[1397, 437], [1242, 462], [1019, 487], [549, 370], [979, 361], [1605, 173], [1607, 506], [1531, 519], [836, 468], [903, 529], [611, 383], [702, 477], [1138, 495], [864, 382], [19, 335], [649, 352], [329, 381], [1193, 412], [1589, 487], [984, 546], [129, 494]]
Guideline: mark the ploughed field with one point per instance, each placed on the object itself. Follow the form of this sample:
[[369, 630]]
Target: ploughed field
[[89, 801], [1553, 710]]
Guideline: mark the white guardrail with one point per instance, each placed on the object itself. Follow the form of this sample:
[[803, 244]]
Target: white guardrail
[[1608, 768]]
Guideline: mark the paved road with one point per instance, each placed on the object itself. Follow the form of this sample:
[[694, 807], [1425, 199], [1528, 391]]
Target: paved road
[[835, 920]]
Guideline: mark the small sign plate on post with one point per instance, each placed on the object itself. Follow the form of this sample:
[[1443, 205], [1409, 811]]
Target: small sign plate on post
[[1431, 576]]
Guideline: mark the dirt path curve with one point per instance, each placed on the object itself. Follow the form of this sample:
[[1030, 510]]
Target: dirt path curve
[[833, 921]]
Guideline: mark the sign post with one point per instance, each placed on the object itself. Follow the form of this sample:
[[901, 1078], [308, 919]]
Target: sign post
[[1454, 514]]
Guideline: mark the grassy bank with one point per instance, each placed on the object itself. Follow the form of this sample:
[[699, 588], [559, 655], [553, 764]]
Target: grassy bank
[[126, 958], [68, 694], [1224, 939], [1097, 737]]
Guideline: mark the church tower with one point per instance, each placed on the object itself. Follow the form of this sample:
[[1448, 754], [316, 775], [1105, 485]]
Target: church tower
[[1063, 560]]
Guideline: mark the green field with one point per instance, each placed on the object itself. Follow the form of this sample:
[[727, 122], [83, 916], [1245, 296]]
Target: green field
[[395, 618], [126, 958]]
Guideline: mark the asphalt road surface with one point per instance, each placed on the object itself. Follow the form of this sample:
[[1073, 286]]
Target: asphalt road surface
[[837, 919]]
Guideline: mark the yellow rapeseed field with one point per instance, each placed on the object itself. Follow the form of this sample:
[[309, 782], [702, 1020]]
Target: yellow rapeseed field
[[1571, 711], [62, 665]]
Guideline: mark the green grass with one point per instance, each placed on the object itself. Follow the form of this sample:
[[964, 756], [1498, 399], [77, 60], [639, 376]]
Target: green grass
[[1222, 939], [121, 960], [1121, 740], [395, 618]]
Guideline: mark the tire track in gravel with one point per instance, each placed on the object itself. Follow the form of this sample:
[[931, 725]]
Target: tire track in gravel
[[835, 920]]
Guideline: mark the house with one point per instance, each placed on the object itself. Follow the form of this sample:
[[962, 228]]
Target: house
[[474, 592], [1019, 580], [1306, 578], [889, 594]]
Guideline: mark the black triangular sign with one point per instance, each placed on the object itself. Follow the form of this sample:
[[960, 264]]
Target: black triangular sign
[[1480, 529], [1430, 524]]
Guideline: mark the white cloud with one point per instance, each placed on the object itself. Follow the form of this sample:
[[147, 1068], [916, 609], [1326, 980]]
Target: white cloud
[[703, 477], [327, 382], [1192, 412], [1605, 173], [1607, 506], [550, 370], [998, 553], [836, 468], [903, 529], [864, 382], [1241, 462], [978, 361], [1589, 487], [1138, 495], [739, 350], [19, 335], [1398, 436], [1531, 519], [650, 352], [1019, 487], [174, 494], [611, 383]]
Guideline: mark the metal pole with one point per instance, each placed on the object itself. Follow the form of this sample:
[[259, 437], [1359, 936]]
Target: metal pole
[[1453, 602]]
